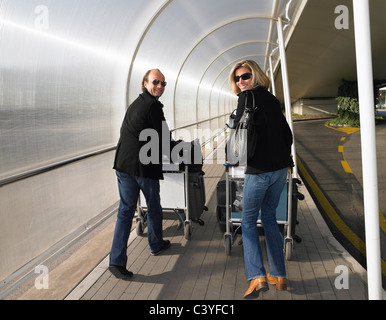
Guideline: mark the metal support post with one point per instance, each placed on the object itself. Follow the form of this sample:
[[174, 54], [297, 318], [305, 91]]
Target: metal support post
[[368, 145], [272, 79], [286, 90]]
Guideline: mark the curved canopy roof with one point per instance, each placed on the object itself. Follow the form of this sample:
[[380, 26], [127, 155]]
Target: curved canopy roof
[[77, 64], [319, 55], [196, 43]]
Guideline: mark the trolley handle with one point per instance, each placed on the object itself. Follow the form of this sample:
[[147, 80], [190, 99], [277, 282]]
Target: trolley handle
[[230, 165]]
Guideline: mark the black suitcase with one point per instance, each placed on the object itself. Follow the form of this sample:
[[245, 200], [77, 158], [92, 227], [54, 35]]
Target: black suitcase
[[191, 153], [197, 198], [221, 202]]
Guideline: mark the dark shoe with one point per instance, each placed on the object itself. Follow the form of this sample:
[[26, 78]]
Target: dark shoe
[[165, 246], [120, 272], [257, 285], [280, 283]]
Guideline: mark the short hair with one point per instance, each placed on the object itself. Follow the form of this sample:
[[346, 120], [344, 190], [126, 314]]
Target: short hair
[[259, 77], [146, 78]]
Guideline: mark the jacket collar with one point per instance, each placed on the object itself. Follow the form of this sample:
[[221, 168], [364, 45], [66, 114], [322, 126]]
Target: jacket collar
[[147, 96], [258, 88]]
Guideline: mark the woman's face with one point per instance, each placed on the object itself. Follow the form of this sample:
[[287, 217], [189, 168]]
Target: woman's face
[[245, 73]]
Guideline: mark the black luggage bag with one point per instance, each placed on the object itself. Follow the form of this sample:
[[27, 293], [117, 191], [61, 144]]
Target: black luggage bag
[[192, 158], [197, 198]]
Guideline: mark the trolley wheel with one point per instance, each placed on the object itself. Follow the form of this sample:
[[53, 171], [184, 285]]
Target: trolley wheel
[[297, 238], [288, 249], [228, 244], [139, 228], [220, 213], [187, 230], [200, 222]]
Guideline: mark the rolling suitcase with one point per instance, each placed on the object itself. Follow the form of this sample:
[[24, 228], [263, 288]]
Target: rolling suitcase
[[221, 202], [197, 198], [192, 159]]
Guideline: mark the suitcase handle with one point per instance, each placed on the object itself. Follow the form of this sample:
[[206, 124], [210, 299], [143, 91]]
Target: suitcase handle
[[227, 164]]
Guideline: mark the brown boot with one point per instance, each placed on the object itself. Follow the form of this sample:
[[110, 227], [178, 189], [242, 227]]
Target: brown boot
[[280, 283], [257, 285]]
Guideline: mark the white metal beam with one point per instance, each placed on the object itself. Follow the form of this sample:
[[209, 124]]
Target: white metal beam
[[368, 145], [272, 76], [286, 89]]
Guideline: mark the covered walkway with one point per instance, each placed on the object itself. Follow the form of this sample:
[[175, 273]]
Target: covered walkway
[[70, 69], [199, 269]]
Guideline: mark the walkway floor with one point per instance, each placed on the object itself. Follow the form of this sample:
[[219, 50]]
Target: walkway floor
[[199, 269]]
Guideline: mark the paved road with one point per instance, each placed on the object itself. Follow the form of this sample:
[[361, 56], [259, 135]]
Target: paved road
[[330, 165], [352, 153]]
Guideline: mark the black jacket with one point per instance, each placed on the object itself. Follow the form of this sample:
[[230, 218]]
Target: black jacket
[[272, 135], [144, 113]]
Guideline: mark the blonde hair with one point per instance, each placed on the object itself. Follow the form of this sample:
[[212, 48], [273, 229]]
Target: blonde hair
[[259, 78]]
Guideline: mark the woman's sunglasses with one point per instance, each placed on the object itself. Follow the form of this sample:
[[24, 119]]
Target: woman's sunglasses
[[156, 81], [244, 76]]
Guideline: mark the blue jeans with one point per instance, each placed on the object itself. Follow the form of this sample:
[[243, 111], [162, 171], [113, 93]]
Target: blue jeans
[[262, 191], [129, 187]]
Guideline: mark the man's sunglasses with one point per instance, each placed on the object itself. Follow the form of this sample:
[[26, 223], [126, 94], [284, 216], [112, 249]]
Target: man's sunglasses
[[156, 82], [244, 76]]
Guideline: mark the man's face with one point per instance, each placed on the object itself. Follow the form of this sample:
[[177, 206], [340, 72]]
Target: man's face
[[155, 84]]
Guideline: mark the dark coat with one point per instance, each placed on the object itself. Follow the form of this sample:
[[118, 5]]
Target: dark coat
[[144, 113], [272, 136]]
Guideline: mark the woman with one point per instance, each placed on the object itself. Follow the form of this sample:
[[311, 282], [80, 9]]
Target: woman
[[265, 175]]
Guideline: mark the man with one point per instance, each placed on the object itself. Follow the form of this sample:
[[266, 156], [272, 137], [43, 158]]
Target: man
[[133, 175]]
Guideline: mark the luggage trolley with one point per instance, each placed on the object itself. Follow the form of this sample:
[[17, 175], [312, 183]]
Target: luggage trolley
[[285, 212], [174, 198]]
